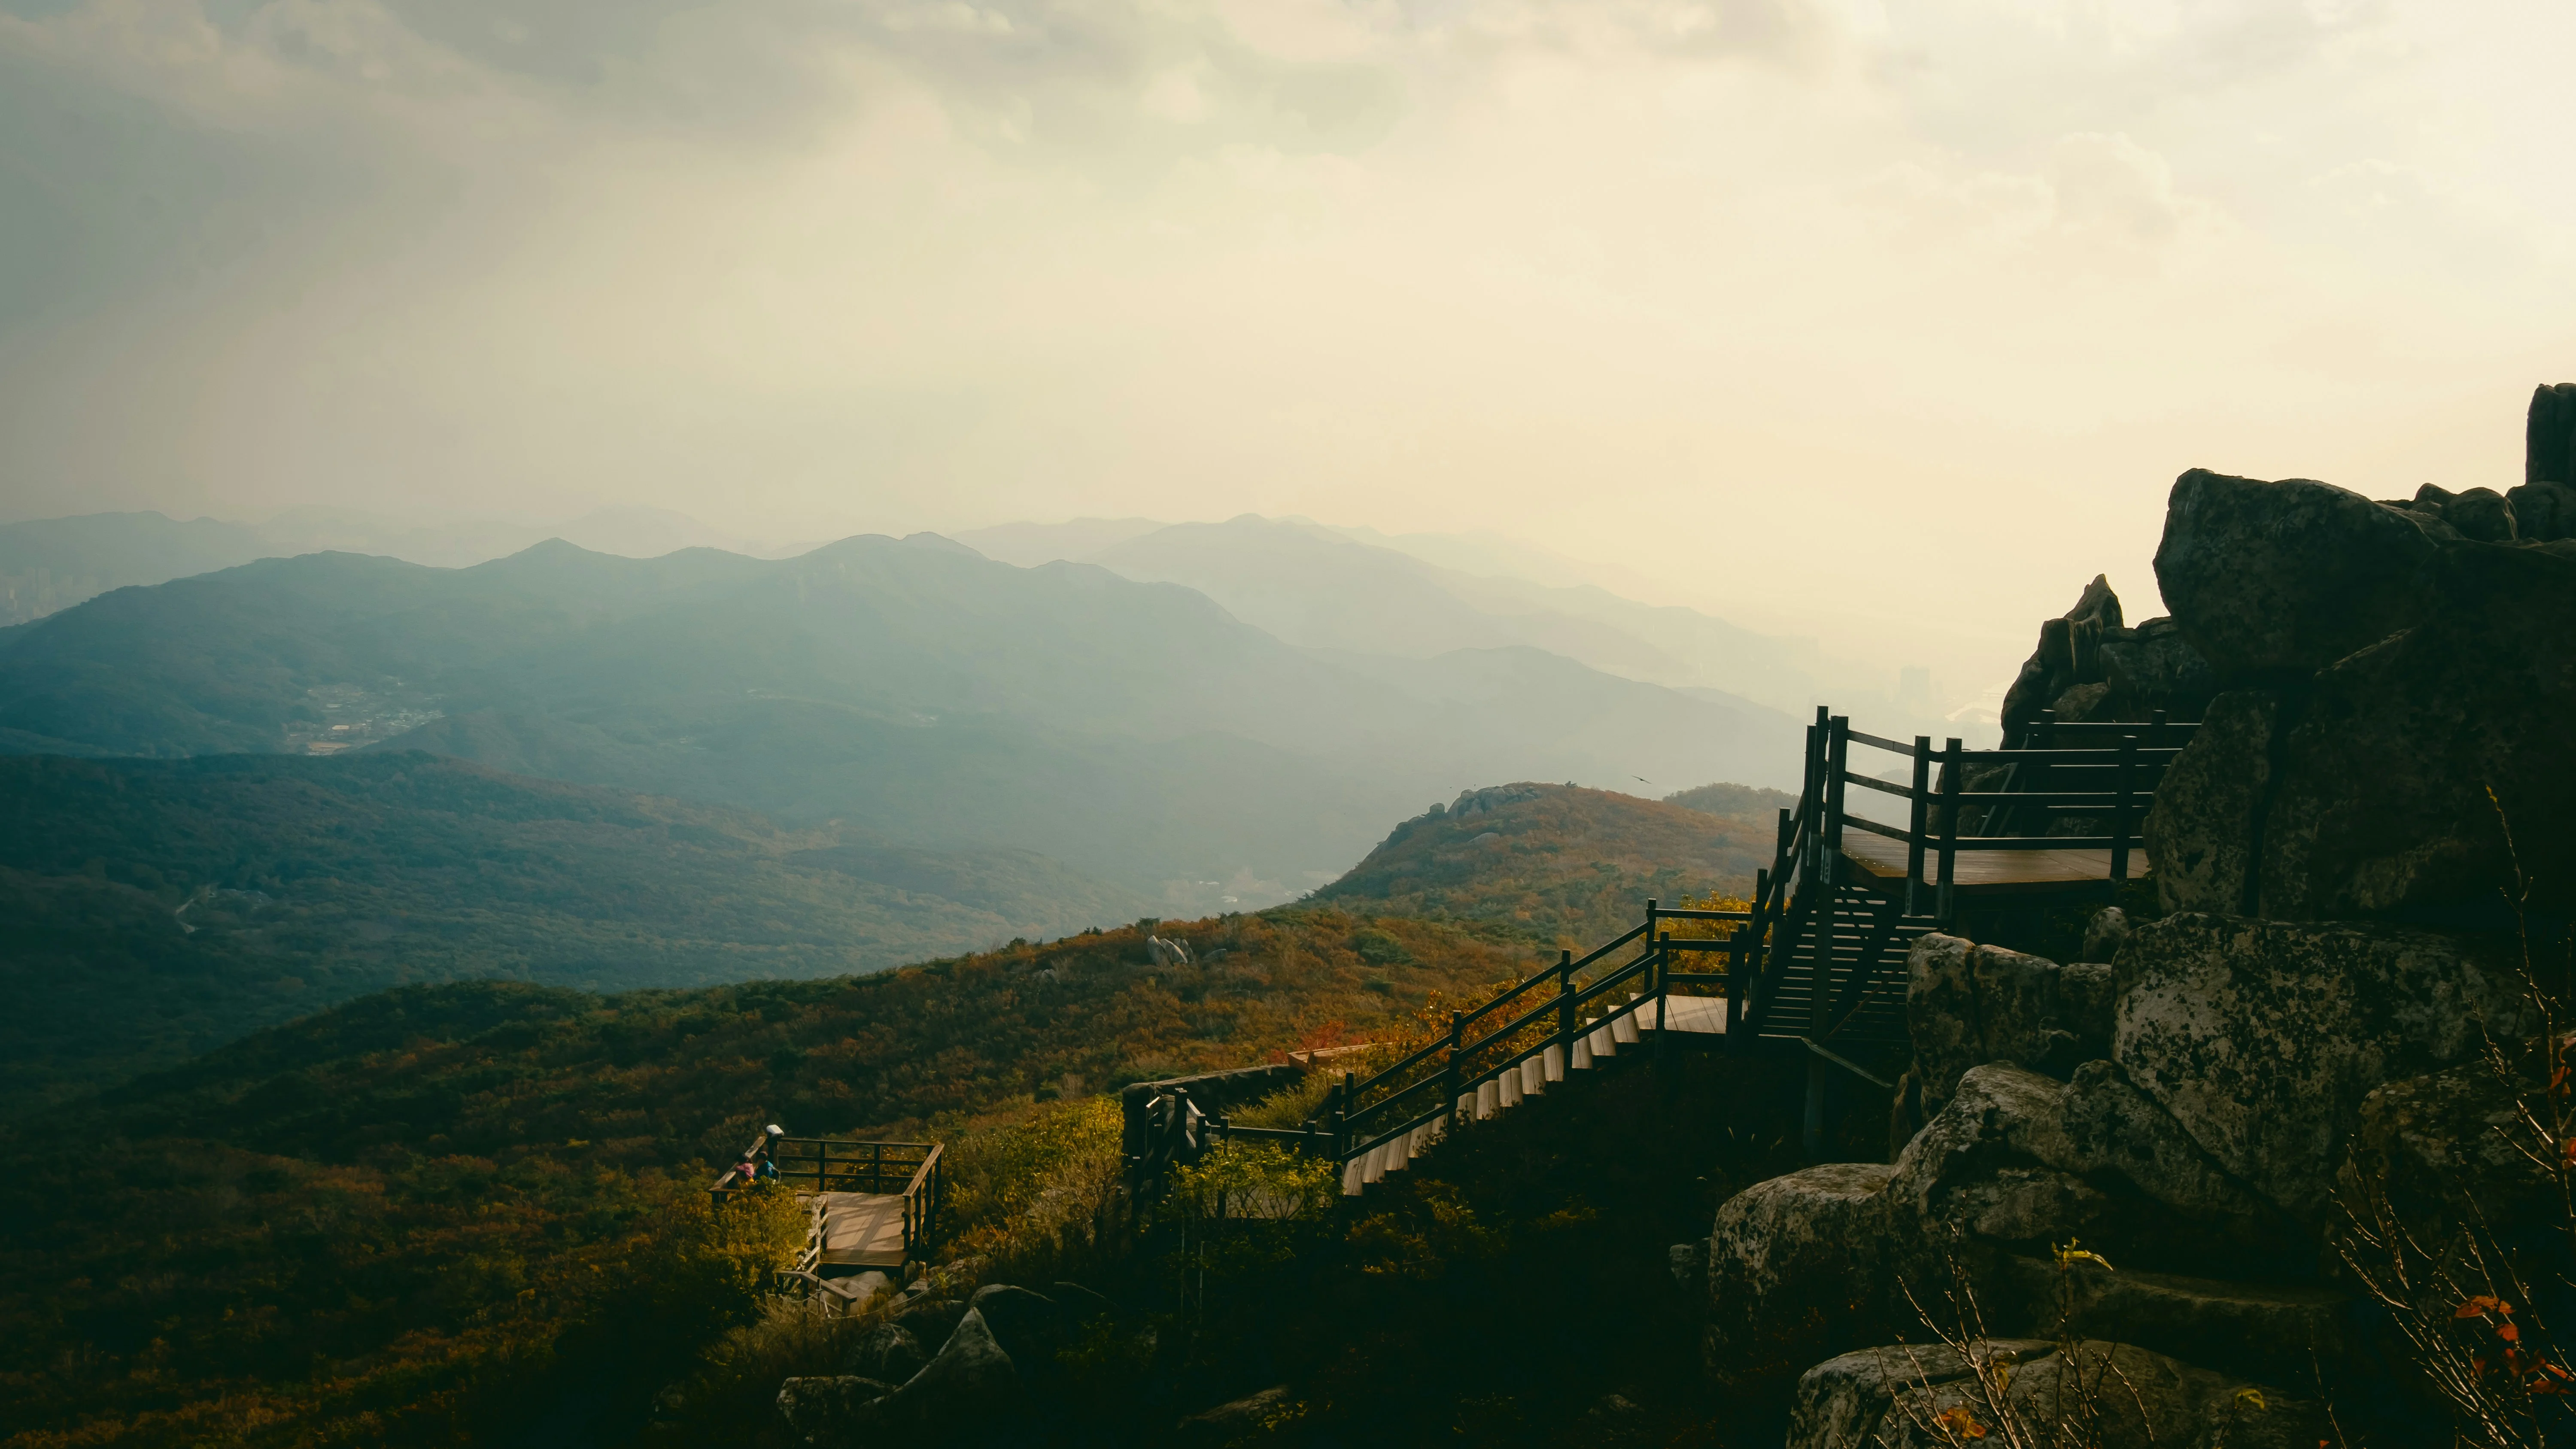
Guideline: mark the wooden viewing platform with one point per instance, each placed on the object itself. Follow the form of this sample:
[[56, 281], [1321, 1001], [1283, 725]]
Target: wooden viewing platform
[[872, 1205], [1992, 872]]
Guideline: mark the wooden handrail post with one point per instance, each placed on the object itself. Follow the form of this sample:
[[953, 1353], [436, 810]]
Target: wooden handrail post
[[1915, 815], [1565, 1007], [1663, 988], [1837, 754], [1951, 769], [1342, 1118], [1449, 1069], [2120, 815]]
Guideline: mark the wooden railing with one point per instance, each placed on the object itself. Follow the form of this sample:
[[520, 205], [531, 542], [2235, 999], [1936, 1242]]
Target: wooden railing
[[816, 1165], [2100, 771], [1550, 1017]]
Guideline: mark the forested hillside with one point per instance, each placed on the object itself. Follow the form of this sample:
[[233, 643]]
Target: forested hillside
[[1558, 865], [152, 908], [426, 1214]]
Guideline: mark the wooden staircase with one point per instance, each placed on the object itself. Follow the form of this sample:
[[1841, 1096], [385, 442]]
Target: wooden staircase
[[1816, 960]]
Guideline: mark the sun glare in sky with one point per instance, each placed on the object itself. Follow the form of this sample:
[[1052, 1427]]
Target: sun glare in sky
[[1886, 323]]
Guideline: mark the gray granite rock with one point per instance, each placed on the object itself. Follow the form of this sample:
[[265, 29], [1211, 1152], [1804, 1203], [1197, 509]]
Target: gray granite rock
[[1796, 1271], [2276, 580], [2262, 1038]]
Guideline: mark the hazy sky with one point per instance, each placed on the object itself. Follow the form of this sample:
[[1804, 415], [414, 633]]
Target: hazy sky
[[1829, 315]]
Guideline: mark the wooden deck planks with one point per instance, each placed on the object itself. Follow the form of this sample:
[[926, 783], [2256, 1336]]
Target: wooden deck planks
[[1705, 1014], [862, 1229], [1990, 871]]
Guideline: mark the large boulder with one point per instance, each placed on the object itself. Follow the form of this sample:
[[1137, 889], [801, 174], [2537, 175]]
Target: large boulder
[[2017, 1163], [1795, 1272], [2202, 830], [2397, 784], [1967, 1004], [2278, 1331], [970, 1394], [2068, 656], [885, 1350], [2272, 582], [2450, 1147], [2153, 667], [2549, 435], [1249, 1419], [831, 1410], [2262, 1038], [2103, 1395], [1842, 1403], [2544, 511]]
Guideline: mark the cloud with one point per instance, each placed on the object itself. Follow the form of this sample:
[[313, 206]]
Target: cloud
[[1984, 275]]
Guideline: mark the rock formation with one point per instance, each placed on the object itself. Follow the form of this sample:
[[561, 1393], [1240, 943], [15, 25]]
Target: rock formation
[[2348, 855]]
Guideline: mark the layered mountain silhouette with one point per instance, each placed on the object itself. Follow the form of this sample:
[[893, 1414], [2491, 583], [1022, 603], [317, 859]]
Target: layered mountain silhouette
[[1359, 591], [1135, 732]]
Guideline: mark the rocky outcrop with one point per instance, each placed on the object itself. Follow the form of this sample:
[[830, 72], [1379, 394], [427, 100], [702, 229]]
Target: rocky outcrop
[[2262, 1038], [1796, 1269], [2447, 1148], [2544, 512], [997, 1357], [2017, 1162], [2202, 831], [2400, 776], [2088, 666], [886, 1351], [2272, 582], [1968, 1004], [2111, 1395], [837, 1409], [1245, 1420], [2549, 435], [2397, 704]]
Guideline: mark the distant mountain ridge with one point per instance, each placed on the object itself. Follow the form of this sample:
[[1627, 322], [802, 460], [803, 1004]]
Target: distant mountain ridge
[[1136, 732], [1416, 596]]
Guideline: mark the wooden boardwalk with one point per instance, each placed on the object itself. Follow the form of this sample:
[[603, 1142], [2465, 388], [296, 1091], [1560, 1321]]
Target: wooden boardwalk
[[860, 1229], [1993, 872]]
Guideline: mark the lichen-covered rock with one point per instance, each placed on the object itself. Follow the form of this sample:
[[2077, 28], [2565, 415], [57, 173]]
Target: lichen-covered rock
[[1796, 1271], [2104, 935], [2103, 1395], [968, 1394], [1025, 1324], [887, 1351], [1966, 1005], [1842, 1402], [2153, 667], [2262, 1038], [1249, 1419], [2275, 581], [2068, 656], [830, 1411], [2381, 801], [2269, 1329], [2442, 1146], [2549, 435], [2017, 1162], [2201, 830], [2544, 511]]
